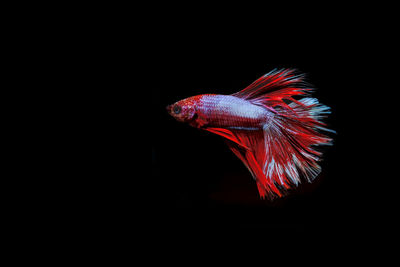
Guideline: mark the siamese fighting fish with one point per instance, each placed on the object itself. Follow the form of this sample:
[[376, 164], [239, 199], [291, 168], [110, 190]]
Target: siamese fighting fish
[[273, 126]]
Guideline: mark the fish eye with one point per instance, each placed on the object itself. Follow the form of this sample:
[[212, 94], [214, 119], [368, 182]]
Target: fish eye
[[177, 109]]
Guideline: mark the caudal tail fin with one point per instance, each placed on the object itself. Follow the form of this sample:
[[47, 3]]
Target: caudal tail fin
[[284, 153]]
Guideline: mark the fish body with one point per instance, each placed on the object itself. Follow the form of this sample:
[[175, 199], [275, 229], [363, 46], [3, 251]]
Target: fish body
[[228, 112], [269, 130]]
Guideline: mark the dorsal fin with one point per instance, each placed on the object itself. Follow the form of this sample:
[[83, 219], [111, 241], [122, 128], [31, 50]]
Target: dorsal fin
[[274, 87]]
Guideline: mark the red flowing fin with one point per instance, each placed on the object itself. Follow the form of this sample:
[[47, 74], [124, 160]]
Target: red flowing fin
[[241, 154], [274, 87], [291, 139], [254, 158]]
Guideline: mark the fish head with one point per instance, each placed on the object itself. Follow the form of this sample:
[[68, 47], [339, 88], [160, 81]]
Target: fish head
[[183, 110]]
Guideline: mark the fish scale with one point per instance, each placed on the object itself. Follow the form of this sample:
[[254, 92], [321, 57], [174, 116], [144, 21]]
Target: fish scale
[[232, 112]]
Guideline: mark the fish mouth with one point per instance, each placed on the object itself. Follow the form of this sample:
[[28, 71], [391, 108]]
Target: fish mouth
[[170, 111]]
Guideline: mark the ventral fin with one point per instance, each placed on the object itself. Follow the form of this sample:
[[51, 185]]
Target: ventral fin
[[228, 134]]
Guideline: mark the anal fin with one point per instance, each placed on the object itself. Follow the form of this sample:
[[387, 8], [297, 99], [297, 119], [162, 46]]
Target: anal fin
[[249, 147]]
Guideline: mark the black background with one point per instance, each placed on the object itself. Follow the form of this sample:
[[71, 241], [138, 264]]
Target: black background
[[109, 172]]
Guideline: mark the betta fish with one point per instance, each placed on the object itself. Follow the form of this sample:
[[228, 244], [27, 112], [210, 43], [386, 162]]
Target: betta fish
[[273, 126]]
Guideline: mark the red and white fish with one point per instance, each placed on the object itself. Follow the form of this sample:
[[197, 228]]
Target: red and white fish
[[273, 133]]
